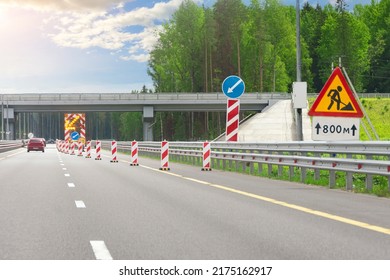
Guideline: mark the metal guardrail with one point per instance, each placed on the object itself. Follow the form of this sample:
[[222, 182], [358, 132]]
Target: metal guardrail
[[369, 158], [6, 146]]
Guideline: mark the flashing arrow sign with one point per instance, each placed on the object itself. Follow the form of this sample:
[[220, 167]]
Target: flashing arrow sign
[[335, 129], [233, 87]]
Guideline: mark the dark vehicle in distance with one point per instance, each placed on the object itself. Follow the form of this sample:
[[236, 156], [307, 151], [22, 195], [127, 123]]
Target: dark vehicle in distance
[[36, 144]]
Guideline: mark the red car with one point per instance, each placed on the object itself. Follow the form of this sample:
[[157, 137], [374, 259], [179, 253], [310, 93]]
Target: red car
[[36, 144]]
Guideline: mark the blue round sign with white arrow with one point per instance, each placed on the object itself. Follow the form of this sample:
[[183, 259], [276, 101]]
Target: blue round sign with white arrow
[[233, 86], [75, 136]]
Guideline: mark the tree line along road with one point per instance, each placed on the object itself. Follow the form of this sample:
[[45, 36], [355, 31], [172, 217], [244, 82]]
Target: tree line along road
[[60, 206]]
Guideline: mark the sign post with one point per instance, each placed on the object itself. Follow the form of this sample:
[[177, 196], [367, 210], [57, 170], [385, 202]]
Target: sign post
[[233, 87], [336, 112]]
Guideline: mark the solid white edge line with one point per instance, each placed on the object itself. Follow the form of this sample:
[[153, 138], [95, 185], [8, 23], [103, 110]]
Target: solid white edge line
[[100, 250]]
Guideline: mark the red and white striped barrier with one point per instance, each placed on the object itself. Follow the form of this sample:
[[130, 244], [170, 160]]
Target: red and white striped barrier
[[164, 155], [206, 156], [72, 147], [80, 148], [88, 149], [114, 151], [134, 153], [232, 119], [98, 150], [62, 146], [66, 147]]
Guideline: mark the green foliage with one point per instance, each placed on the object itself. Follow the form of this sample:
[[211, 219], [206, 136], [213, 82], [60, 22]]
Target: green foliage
[[378, 111]]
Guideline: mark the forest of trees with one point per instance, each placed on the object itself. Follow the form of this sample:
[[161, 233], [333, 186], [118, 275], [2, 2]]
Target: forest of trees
[[200, 46]]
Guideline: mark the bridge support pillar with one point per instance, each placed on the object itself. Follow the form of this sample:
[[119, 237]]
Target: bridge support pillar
[[148, 122], [7, 129]]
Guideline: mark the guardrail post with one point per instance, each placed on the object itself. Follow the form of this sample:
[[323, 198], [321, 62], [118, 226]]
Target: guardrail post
[[280, 171], [332, 179], [349, 181], [269, 169], [260, 168], [317, 175], [388, 183], [291, 172], [303, 174], [369, 181]]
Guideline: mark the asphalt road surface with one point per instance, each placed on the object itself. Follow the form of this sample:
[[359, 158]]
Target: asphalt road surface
[[59, 206]]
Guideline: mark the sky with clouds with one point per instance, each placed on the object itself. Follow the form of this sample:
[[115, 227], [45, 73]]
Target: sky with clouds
[[54, 46]]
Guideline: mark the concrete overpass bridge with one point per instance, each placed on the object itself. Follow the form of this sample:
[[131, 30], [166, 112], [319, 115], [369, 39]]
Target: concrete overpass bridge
[[147, 103]]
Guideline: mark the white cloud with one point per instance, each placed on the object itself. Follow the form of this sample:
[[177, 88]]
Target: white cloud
[[63, 5], [113, 29]]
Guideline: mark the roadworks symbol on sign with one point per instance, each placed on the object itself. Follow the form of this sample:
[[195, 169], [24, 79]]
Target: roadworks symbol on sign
[[336, 99]]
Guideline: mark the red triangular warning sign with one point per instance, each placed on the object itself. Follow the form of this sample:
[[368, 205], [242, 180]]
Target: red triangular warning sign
[[336, 99]]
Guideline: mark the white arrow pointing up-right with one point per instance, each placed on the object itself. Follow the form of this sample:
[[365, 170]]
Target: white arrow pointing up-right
[[230, 90]]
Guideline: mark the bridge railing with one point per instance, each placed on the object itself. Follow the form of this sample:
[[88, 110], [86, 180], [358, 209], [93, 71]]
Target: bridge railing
[[367, 158], [45, 97]]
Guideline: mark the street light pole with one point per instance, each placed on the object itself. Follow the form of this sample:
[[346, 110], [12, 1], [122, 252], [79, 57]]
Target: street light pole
[[299, 63]]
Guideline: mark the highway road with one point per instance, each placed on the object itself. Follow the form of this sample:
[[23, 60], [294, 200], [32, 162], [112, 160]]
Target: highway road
[[58, 206]]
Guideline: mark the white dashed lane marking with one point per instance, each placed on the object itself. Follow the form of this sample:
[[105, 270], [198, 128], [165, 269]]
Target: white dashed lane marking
[[100, 250], [71, 185], [80, 204]]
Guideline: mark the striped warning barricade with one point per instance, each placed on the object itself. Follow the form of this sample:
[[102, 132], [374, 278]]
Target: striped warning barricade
[[66, 147], [98, 150], [134, 153], [114, 151], [80, 149], [164, 155], [206, 156], [88, 149], [72, 147]]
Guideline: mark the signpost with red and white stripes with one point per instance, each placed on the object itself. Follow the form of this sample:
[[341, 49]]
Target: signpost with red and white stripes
[[206, 156], [164, 155], [134, 153], [232, 119], [98, 150], [114, 151], [88, 149], [233, 87], [80, 149]]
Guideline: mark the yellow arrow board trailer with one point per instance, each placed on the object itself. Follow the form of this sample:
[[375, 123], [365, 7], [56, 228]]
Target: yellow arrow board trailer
[[74, 127]]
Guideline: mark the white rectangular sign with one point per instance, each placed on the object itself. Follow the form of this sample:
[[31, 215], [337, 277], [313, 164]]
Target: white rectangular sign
[[335, 128]]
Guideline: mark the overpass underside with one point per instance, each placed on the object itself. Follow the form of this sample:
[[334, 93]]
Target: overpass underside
[[148, 104]]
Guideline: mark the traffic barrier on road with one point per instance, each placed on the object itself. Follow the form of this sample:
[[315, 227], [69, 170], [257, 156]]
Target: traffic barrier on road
[[88, 149], [98, 150], [134, 153], [114, 151], [66, 147], [206, 156], [164, 155], [72, 145], [80, 148]]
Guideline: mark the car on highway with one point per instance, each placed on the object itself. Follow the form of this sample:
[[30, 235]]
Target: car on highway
[[36, 144]]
